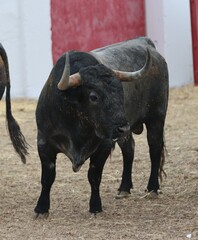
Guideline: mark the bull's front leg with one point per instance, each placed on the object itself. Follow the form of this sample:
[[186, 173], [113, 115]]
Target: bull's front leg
[[48, 159], [97, 162], [127, 147]]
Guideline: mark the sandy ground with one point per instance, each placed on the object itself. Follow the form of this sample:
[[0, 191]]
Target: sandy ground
[[174, 215]]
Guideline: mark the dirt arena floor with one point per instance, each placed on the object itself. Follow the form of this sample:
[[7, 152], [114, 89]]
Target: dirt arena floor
[[173, 215]]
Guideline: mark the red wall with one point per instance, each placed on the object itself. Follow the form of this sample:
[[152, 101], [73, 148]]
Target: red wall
[[194, 26], [88, 24]]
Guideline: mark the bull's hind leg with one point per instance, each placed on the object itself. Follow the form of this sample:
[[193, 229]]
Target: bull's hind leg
[[156, 145], [48, 160], [127, 147], [97, 162]]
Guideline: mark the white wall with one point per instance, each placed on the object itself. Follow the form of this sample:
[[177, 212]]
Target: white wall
[[26, 36], [25, 32], [168, 24]]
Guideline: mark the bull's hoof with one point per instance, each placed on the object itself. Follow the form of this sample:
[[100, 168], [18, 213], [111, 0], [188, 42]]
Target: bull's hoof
[[38, 216], [93, 216], [95, 211], [123, 194], [96, 214], [95, 205], [151, 194]]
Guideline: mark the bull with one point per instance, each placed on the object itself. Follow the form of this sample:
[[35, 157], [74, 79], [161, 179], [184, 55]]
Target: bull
[[18, 140], [92, 100]]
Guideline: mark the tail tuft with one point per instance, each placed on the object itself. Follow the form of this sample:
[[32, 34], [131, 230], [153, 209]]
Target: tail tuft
[[161, 169]]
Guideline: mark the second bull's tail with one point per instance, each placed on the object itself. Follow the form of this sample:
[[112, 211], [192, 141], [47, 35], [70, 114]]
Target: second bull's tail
[[18, 140]]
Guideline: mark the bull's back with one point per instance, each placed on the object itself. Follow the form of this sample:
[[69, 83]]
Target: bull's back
[[124, 56]]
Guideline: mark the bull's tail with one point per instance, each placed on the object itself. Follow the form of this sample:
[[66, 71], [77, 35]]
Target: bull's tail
[[162, 162], [18, 140]]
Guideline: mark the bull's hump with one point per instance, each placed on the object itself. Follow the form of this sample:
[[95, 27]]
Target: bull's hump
[[107, 59], [131, 43], [122, 56], [112, 57], [119, 59]]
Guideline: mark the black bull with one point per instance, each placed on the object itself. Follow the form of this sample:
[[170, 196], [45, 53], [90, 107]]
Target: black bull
[[17, 138], [85, 107]]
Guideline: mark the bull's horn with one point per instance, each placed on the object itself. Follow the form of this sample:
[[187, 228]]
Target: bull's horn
[[129, 76], [66, 80]]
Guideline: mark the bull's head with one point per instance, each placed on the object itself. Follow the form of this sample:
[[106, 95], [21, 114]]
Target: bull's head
[[104, 108], [74, 80]]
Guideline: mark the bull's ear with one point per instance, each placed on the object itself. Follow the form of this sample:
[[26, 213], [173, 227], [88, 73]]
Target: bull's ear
[[66, 80], [129, 76]]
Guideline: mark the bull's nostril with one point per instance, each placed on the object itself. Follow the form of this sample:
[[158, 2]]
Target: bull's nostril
[[123, 129]]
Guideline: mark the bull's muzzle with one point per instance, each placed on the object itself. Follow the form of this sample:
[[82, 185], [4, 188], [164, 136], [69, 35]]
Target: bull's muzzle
[[122, 132]]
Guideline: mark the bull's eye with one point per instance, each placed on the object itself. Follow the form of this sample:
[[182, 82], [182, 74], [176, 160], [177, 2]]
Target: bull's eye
[[93, 97]]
